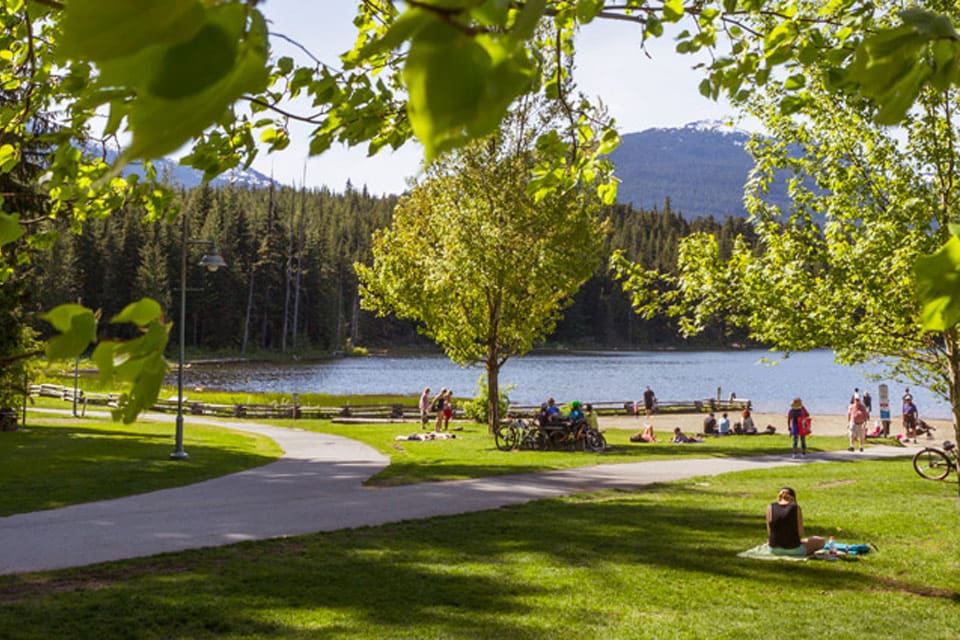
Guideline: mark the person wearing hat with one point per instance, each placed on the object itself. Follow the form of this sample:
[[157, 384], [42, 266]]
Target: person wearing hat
[[785, 527], [576, 413], [795, 423], [910, 417]]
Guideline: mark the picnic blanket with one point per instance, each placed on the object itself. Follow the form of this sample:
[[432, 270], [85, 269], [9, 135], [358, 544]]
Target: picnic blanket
[[841, 551], [762, 552]]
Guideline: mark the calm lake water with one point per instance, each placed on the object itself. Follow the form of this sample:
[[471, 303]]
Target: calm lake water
[[596, 376]]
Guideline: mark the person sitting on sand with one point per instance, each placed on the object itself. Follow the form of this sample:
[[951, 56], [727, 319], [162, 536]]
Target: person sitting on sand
[[723, 425], [746, 423], [679, 437], [710, 425], [785, 527], [644, 436]]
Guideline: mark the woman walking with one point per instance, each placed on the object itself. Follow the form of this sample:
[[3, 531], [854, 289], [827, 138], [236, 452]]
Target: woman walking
[[798, 423]]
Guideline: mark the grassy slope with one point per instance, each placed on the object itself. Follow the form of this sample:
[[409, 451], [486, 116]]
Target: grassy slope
[[56, 462], [656, 563]]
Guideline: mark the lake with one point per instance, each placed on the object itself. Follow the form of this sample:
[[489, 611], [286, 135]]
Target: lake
[[592, 376]]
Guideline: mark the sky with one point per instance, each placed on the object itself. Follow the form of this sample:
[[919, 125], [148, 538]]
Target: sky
[[641, 92]]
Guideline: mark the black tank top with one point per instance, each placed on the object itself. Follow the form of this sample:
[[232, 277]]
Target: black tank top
[[783, 526]]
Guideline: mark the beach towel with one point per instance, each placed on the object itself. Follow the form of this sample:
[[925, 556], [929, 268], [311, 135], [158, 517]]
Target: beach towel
[[762, 552]]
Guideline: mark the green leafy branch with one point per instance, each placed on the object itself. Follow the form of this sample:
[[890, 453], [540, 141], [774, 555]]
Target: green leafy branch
[[138, 363]]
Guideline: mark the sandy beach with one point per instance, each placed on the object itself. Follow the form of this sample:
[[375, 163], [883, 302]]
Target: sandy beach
[[831, 425]]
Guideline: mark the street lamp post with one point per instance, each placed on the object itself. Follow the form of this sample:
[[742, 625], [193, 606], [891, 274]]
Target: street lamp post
[[212, 261]]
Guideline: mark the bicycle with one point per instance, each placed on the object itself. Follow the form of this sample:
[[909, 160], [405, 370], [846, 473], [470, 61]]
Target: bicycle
[[934, 463], [573, 435], [518, 434]]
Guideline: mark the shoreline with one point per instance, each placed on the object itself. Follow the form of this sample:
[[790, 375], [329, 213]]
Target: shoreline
[[823, 424]]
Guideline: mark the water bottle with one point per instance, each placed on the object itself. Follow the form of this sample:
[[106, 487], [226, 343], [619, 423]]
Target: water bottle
[[832, 547]]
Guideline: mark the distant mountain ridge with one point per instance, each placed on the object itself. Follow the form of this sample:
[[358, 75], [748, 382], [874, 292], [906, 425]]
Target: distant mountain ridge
[[701, 167], [172, 172]]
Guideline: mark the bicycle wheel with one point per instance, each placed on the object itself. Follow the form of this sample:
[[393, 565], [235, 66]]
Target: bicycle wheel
[[932, 464], [505, 437], [594, 441]]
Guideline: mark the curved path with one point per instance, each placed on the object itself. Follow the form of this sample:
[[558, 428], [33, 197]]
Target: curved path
[[317, 485]]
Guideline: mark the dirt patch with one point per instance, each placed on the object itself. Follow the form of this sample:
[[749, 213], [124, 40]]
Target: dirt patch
[[835, 483]]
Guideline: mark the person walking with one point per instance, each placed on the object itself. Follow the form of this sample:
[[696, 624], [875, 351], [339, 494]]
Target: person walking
[[649, 401], [447, 411], [424, 407], [798, 424], [868, 403], [856, 421]]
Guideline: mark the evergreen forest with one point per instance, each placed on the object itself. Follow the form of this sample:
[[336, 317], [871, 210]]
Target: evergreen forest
[[289, 285]]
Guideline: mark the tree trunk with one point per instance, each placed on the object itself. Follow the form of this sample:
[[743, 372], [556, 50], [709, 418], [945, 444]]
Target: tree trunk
[[493, 390], [248, 314], [952, 348], [296, 286]]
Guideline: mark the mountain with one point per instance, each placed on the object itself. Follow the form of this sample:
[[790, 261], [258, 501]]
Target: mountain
[[172, 172], [701, 167]]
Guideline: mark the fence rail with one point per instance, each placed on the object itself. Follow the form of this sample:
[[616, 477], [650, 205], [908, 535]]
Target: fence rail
[[357, 413]]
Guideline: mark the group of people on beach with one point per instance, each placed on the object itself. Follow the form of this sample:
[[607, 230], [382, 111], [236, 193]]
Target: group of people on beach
[[440, 405]]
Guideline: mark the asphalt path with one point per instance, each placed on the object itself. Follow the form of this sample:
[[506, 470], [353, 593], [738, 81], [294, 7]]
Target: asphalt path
[[317, 485]]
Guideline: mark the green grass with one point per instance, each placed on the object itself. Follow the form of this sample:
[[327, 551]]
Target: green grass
[[55, 462], [473, 455], [656, 563]]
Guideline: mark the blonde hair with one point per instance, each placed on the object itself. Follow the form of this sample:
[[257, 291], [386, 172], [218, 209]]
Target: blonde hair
[[787, 495]]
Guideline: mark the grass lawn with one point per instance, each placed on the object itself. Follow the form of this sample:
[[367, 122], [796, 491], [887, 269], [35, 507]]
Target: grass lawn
[[57, 461], [656, 563], [472, 454]]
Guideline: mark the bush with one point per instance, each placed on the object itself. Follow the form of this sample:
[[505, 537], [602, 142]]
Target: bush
[[476, 409]]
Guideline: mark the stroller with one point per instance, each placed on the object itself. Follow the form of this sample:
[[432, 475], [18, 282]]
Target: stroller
[[923, 428]]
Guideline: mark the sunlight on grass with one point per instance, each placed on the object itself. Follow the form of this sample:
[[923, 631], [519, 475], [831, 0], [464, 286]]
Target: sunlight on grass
[[653, 563], [56, 462]]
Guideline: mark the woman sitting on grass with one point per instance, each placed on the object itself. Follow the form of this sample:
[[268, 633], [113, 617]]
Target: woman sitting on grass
[[785, 527]]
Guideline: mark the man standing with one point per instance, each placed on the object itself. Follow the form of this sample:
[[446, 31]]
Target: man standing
[[868, 403], [649, 401], [424, 408], [910, 415], [857, 419]]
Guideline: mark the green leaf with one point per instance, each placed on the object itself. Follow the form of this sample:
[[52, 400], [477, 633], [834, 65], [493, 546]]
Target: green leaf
[[672, 10], [141, 313], [928, 23], [180, 75], [587, 10], [9, 157], [446, 75], [10, 229], [608, 193], [527, 19], [938, 286], [161, 126], [104, 29], [78, 329]]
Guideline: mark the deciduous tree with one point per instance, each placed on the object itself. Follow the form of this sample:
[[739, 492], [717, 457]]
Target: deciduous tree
[[483, 266]]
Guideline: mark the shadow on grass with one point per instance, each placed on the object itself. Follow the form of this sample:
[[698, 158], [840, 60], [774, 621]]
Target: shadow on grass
[[485, 575]]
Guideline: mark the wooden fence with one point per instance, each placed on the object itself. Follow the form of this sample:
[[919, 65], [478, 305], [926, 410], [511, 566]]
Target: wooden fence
[[356, 413]]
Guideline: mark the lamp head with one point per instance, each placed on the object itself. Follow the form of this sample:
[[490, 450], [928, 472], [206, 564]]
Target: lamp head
[[213, 260]]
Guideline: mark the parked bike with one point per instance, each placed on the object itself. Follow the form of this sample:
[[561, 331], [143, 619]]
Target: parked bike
[[573, 435], [564, 434], [934, 463], [518, 434]]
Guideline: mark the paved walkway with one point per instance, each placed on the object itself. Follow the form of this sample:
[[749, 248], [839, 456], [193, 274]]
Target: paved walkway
[[317, 485]]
